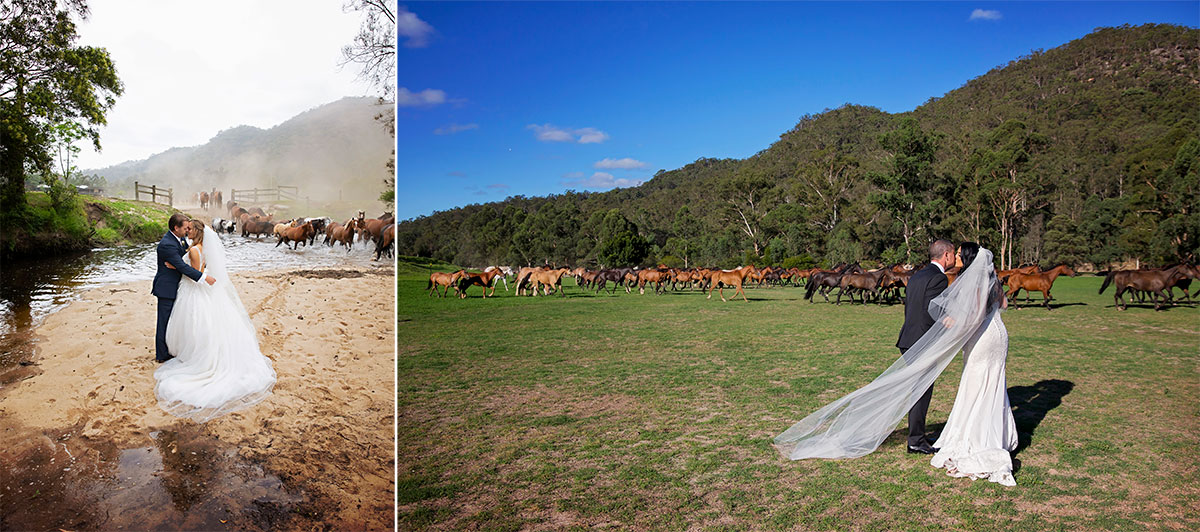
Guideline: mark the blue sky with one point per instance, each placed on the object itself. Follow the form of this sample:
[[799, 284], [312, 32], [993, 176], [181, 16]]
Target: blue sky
[[502, 99]]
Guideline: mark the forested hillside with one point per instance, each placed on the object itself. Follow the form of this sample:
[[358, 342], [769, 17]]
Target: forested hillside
[[1085, 154]]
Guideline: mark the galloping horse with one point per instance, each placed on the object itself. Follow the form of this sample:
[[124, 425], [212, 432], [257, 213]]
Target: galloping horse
[[1035, 282], [616, 276], [1003, 275], [827, 280], [523, 277], [296, 235], [547, 280], [505, 271], [469, 279], [439, 279], [658, 276], [861, 283], [735, 278], [1153, 281], [204, 200]]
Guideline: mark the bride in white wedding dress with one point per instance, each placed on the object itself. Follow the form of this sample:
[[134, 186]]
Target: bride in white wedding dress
[[218, 367], [981, 430]]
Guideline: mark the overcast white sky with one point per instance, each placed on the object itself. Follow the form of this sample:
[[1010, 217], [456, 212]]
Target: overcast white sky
[[192, 69]]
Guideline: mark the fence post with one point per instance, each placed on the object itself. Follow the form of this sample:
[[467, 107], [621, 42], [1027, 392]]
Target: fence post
[[135, 191], [171, 197], [153, 193]]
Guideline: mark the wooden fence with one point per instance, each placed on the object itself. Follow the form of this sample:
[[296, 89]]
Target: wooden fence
[[154, 192], [254, 195]]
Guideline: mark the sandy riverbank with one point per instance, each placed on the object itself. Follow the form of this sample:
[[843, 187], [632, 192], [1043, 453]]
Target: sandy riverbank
[[87, 447]]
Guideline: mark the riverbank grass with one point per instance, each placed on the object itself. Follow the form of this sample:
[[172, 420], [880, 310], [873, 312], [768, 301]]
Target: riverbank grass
[[645, 412], [84, 223]]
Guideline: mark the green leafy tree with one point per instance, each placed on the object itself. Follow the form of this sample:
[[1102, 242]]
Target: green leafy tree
[[1064, 244], [1006, 170], [909, 190], [687, 229], [624, 249], [46, 81]]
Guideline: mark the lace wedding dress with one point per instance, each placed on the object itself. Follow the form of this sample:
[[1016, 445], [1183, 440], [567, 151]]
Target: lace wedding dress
[[981, 430], [218, 367]]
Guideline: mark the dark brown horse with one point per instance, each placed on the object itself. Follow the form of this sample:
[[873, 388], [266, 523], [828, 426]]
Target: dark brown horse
[[863, 283], [1035, 282], [1152, 281]]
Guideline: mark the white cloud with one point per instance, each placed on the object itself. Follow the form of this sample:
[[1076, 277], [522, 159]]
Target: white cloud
[[551, 133], [619, 164], [589, 135], [454, 128], [601, 180], [985, 14], [184, 82], [427, 97], [417, 30]]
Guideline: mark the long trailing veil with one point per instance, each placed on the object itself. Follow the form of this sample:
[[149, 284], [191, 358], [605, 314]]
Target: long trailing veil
[[856, 424]]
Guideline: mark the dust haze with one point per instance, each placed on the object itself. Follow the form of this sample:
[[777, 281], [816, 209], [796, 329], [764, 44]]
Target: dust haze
[[336, 155]]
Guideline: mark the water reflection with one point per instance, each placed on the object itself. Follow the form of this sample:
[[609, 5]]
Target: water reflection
[[30, 290]]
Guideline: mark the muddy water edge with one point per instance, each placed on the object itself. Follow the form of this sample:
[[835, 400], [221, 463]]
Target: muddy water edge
[[180, 477]]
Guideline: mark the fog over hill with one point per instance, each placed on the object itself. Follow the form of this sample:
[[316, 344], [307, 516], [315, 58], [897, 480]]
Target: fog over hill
[[336, 150]]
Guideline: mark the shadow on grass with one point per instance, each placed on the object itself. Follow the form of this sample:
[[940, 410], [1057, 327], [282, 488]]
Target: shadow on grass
[[1031, 403], [1037, 305]]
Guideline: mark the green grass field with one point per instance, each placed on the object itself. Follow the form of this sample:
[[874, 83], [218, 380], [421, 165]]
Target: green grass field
[[654, 412]]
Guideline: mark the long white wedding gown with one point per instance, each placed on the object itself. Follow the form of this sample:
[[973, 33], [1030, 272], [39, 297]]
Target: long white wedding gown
[[981, 430], [218, 367]]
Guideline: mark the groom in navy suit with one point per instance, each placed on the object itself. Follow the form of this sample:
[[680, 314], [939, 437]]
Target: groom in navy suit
[[924, 285], [166, 280]]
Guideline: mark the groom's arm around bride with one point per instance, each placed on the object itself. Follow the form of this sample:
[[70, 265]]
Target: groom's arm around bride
[[166, 280]]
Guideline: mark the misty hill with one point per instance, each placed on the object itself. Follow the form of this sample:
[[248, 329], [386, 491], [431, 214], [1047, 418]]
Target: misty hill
[[1088, 152], [336, 148]]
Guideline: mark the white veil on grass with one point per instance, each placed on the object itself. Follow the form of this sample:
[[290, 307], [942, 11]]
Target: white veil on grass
[[856, 424]]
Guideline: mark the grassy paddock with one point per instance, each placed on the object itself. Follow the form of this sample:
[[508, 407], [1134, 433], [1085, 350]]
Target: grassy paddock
[[657, 412]]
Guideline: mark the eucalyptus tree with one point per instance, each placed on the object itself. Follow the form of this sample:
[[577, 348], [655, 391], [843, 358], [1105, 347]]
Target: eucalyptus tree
[[47, 83]]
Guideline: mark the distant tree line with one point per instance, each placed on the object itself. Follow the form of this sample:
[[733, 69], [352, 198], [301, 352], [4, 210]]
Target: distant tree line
[[1084, 154]]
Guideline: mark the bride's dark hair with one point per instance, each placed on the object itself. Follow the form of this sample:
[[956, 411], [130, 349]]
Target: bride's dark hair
[[967, 252]]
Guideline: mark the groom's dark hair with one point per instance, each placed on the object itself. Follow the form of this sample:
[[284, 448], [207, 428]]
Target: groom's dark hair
[[177, 220]]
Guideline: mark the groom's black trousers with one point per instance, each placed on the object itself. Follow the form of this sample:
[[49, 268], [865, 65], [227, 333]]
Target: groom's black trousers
[[160, 334], [916, 416]]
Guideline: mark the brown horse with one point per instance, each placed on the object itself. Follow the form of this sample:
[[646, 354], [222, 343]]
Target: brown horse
[[385, 244], [295, 235], [440, 279], [1153, 281], [344, 234], [469, 279], [1035, 282], [1003, 275], [863, 283], [658, 276], [735, 278], [204, 200], [253, 225]]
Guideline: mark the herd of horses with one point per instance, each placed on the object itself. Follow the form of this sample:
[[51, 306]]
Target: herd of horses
[[850, 280], [380, 231]]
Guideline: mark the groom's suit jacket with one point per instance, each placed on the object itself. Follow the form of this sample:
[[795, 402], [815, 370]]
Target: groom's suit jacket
[[922, 287], [166, 280]]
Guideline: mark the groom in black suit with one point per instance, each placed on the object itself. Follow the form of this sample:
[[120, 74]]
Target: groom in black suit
[[166, 280], [924, 285]]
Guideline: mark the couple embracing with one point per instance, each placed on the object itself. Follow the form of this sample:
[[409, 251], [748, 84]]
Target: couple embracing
[[940, 320], [205, 341]]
